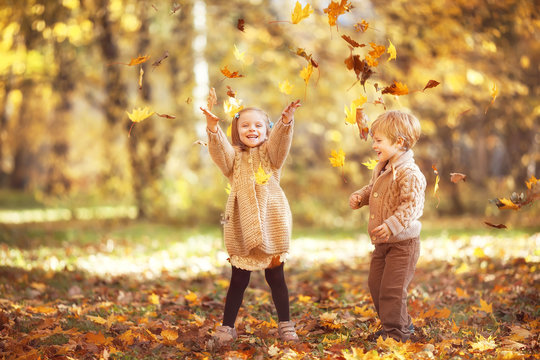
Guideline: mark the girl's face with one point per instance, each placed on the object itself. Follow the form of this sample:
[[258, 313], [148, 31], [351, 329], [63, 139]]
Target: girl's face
[[384, 148], [252, 128]]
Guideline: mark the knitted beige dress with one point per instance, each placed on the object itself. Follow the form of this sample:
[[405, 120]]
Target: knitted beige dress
[[258, 219]]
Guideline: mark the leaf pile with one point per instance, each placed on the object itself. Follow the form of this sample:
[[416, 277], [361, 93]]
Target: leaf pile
[[475, 298]]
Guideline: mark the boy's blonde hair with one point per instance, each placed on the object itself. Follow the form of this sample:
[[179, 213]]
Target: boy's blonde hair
[[396, 124], [235, 136]]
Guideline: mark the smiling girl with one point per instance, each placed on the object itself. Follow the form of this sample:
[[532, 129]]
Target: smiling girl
[[257, 219]]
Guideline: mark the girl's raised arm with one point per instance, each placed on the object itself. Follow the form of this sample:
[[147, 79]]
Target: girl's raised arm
[[281, 135]]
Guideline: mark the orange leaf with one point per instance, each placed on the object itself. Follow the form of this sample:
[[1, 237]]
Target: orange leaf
[[484, 306], [456, 177], [139, 60], [230, 92], [351, 41], [377, 50], [169, 335], [396, 88], [500, 226], [361, 27], [362, 122], [231, 75], [335, 9], [241, 25], [98, 339]]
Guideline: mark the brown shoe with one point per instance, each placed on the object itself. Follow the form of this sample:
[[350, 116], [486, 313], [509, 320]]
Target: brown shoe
[[286, 331], [224, 335]]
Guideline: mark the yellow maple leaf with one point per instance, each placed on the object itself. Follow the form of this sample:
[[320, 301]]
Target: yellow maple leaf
[[169, 334], [494, 92], [304, 299], [483, 344], [139, 114], [337, 158], [532, 182], [350, 114], [285, 87], [461, 293], [392, 51], [306, 72], [191, 297], [153, 299], [300, 14], [232, 105], [479, 252], [261, 177], [97, 319], [484, 306], [507, 204], [228, 189], [371, 163], [239, 55]]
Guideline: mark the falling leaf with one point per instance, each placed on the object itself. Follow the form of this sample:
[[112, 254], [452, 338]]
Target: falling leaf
[[531, 182], [228, 189], [392, 51], [431, 84], [261, 177], [362, 123], [436, 187], [154, 6], [285, 87], [360, 67], [370, 164], [505, 204], [166, 116], [240, 25], [351, 41], [351, 113], [139, 114], [231, 75], [376, 50], [230, 93], [499, 226], [493, 93], [306, 72], [238, 55], [337, 158], [138, 60], [163, 57], [141, 73], [189, 100], [169, 335], [175, 8], [335, 9], [232, 105], [396, 88], [457, 177], [361, 26], [300, 14]]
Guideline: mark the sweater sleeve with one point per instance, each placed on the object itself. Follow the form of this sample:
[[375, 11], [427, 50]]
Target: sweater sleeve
[[279, 142], [364, 194], [411, 202], [221, 151]]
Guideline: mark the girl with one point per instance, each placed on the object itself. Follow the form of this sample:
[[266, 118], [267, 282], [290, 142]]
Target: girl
[[257, 216]]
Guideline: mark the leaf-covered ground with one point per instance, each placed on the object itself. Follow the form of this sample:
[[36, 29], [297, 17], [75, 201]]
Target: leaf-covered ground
[[157, 292]]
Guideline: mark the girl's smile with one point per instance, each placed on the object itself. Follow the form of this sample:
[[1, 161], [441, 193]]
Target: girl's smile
[[252, 128]]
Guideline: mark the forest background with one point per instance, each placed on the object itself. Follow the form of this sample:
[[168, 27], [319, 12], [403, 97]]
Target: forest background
[[110, 236]]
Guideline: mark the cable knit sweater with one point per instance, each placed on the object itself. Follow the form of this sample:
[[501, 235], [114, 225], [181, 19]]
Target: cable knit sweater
[[395, 197], [258, 219]]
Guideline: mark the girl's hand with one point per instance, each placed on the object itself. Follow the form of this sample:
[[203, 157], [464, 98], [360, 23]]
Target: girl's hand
[[382, 232], [288, 114], [354, 201], [211, 100], [211, 119]]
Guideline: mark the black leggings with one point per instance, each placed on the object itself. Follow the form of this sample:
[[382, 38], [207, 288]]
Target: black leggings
[[239, 282]]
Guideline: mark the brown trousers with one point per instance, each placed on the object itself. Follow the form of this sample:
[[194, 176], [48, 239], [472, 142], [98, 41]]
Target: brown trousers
[[390, 273]]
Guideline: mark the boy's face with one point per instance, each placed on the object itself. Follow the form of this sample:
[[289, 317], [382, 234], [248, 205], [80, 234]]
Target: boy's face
[[251, 128], [385, 149]]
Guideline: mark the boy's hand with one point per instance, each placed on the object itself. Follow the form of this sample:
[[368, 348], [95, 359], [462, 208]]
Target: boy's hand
[[382, 232], [211, 119], [354, 201], [288, 114]]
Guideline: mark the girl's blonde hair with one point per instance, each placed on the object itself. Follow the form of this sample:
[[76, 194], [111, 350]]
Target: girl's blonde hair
[[235, 136], [396, 124]]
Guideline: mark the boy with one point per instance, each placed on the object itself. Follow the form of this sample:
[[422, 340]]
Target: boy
[[395, 196]]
